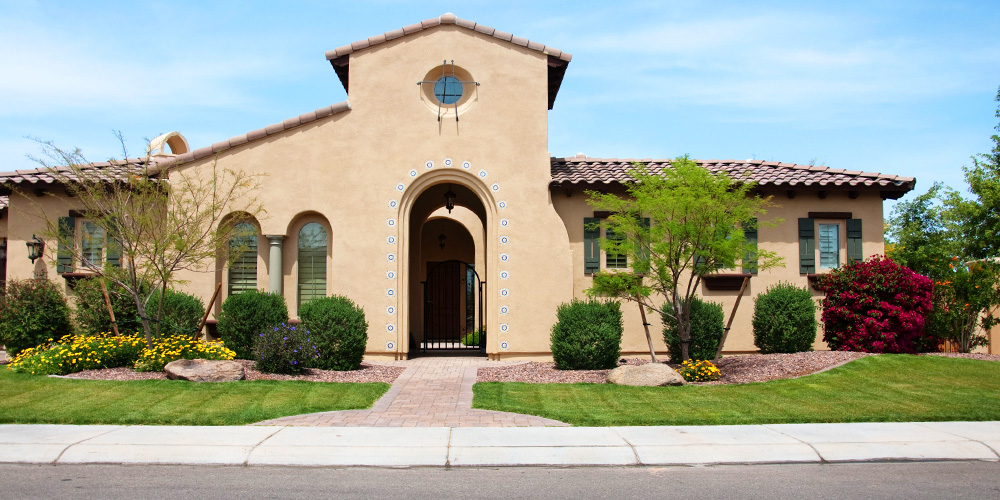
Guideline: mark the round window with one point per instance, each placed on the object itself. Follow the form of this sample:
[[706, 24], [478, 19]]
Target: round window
[[448, 90]]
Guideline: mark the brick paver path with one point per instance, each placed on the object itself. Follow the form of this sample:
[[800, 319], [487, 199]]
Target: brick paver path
[[432, 392]]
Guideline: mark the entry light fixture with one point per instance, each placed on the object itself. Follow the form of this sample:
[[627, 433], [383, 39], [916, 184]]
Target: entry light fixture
[[449, 200], [35, 248], [441, 240]]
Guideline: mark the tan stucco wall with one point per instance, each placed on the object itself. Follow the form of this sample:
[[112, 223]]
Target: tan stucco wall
[[782, 239]]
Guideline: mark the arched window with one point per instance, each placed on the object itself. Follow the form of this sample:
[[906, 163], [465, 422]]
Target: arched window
[[312, 262], [243, 271]]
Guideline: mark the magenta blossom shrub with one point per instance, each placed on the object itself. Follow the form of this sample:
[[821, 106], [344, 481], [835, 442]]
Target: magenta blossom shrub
[[875, 306]]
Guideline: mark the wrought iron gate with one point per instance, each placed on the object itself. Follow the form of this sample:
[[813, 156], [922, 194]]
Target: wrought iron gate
[[454, 308]]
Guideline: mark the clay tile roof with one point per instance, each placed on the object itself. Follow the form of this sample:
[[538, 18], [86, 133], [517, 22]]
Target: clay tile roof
[[584, 170], [557, 58], [46, 176]]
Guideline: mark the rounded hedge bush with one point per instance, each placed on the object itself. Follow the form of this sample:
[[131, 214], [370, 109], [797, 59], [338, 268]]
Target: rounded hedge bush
[[32, 312], [587, 335], [284, 349], [246, 315], [338, 329], [706, 331], [784, 319], [91, 314], [182, 313]]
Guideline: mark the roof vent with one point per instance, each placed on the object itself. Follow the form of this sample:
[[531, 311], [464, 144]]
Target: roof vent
[[174, 140]]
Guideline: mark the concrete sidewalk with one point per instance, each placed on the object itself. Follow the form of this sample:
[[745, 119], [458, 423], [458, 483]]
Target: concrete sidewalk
[[513, 446]]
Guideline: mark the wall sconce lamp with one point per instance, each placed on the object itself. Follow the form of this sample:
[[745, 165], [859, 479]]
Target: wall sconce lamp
[[441, 240], [449, 199], [35, 248]]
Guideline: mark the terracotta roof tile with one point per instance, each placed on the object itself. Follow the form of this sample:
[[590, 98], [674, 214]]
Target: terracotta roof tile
[[447, 18], [585, 170]]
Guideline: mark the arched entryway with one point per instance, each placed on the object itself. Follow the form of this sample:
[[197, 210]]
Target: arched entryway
[[446, 257]]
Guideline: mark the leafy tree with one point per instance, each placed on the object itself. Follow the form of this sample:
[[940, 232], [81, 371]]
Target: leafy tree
[[695, 227], [161, 220], [980, 216]]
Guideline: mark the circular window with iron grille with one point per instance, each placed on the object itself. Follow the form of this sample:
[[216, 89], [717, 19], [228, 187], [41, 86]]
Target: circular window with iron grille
[[448, 88]]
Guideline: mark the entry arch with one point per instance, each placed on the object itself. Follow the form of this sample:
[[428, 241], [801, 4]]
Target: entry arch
[[409, 237]]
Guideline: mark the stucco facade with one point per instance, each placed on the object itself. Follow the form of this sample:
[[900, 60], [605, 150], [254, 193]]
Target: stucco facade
[[374, 173]]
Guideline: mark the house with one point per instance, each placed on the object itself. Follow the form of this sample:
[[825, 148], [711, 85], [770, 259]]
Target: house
[[430, 198]]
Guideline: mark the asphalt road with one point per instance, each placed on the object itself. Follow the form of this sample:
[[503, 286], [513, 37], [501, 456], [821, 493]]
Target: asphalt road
[[911, 481]]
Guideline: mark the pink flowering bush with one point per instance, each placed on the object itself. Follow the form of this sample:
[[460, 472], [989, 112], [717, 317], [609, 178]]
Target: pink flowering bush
[[875, 306]]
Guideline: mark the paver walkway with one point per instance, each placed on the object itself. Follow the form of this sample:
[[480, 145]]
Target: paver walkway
[[432, 392]]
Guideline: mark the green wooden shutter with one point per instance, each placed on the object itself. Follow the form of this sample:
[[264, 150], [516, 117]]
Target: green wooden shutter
[[591, 245], [807, 246], [750, 234], [114, 247], [64, 255], [643, 252], [854, 253]]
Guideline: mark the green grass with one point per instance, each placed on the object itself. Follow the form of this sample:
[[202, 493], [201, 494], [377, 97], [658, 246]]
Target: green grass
[[887, 388], [35, 399]]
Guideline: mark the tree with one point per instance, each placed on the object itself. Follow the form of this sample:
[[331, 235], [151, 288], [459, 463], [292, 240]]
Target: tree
[[980, 216], [159, 221], [696, 223]]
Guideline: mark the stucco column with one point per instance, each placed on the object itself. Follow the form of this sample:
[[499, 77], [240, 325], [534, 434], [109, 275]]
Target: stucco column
[[274, 276]]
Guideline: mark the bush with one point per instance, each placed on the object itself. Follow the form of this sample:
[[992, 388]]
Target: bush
[[784, 319], [32, 312], [174, 347], [875, 306], [699, 371], [182, 313], [76, 353], [473, 338], [91, 314], [706, 331], [587, 335], [246, 315], [339, 330], [284, 349]]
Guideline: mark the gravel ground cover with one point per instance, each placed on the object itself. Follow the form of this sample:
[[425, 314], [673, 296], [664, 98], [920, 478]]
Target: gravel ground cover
[[367, 373]]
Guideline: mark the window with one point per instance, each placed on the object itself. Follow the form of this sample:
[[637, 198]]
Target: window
[[592, 247], [614, 261], [91, 243], [243, 270], [448, 90], [829, 246], [312, 262]]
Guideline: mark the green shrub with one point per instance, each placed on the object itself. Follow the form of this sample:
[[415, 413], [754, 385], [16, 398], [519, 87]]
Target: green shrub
[[284, 349], [587, 335], [246, 315], [706, 331], [174, 347], [32, 312], [784, 319], [339, 330], [182, 313], [91, 314], [77, 353], [472, 338]]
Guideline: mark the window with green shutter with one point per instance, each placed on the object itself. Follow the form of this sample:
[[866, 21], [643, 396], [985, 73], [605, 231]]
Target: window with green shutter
[[613, 260], [750, 257], [807, 246], [854, 253], [591, 245], [91, 244], [243, 271], [64, 254], [312, 262]]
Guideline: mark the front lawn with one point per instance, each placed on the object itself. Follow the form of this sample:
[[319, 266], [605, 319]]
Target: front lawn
[[34, 399], [885, 388]]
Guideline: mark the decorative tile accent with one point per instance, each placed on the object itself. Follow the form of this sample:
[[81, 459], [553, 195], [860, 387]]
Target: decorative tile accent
[[413, 173], [390, 275], [391, 239], [390, 346], [391, 222], [466, 165], [504, 240], [504, 275], [503, 345], [502, 204], [482, 174], [504, 292], [447, 162], [391, 257], [400, 187], [391, 292], [504, 327], [504, 257], [390, 327], [429, 165], [504, 222], [504, 309], [393, 203], [390, 310], [495, 187]]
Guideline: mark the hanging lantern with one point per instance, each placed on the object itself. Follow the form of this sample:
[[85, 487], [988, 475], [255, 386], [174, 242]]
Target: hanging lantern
[[449, 200], [441, 240], [36, 248]]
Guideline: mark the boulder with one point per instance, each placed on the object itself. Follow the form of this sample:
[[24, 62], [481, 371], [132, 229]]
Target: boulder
[[649, 374], [204, 370]]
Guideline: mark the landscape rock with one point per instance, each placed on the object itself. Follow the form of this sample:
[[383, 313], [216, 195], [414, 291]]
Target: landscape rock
[[204, 370], [650, 374]]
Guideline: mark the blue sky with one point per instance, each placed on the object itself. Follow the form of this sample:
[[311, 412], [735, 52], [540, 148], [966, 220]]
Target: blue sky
[[900, 87]]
